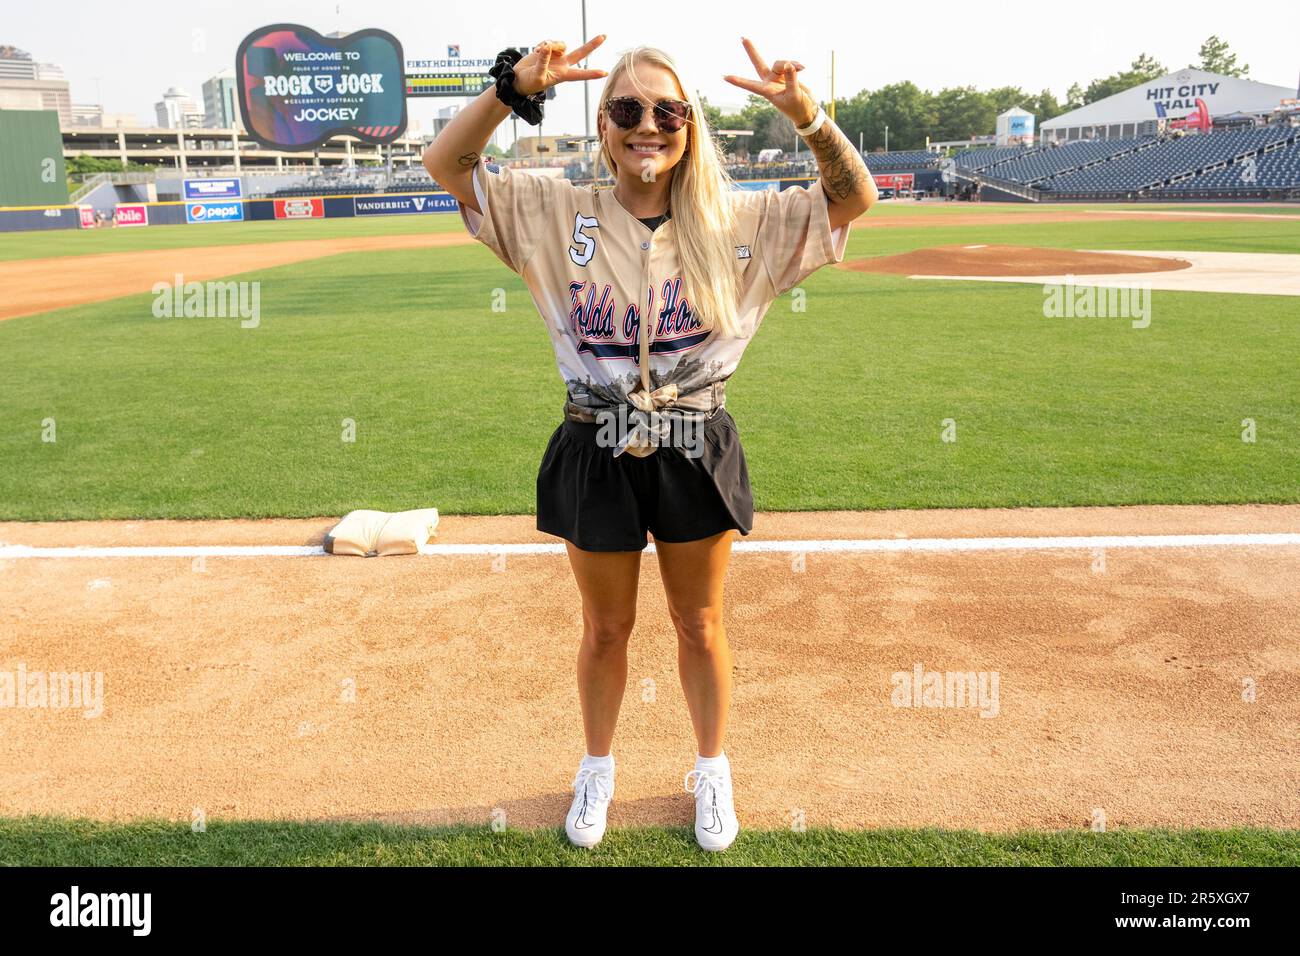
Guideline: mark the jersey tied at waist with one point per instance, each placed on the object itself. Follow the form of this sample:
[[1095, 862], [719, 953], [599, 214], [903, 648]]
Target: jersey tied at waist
[[650, 420]]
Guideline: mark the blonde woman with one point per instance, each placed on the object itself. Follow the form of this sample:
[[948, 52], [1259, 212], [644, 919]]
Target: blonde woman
[[651, 290]]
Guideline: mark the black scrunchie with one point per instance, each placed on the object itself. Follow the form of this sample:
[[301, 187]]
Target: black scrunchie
[[529, 108]]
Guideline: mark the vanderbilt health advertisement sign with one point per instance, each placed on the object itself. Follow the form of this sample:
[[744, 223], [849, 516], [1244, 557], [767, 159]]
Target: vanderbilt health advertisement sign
[[298, 88]]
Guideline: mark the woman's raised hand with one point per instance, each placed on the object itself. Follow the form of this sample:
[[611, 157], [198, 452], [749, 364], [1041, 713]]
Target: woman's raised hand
[[778, 84], [548, 65]]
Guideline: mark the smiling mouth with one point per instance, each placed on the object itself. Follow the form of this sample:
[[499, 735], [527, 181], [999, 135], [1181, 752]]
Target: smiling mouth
[[647, 150]]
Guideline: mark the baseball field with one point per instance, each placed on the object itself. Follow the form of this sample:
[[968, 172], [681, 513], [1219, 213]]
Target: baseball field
[[1088, 520]]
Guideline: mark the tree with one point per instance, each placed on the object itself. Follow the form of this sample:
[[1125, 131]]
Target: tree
[[1143, 70], [712, 114], [771, 129], [82, 164], [961, 113], [906, 109], [1148, 67], [1005, 97], [851, 116], [1074, 97], [1045, 106], [1215, 58]]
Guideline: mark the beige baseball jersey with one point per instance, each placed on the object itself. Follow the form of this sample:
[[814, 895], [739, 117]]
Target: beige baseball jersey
[[593, 269]]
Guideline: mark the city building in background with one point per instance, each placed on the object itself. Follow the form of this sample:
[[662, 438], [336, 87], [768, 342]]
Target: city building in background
[[16, 64], [220, 95], [28, 85], [92, 115], [177, 110]]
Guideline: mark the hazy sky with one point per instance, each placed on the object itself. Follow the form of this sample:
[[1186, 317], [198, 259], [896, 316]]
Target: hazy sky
[[126, 52]]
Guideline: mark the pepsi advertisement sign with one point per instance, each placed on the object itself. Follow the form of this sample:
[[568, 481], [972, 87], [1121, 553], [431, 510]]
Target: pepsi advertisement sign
[[297, 89], [403, 205], [214, 212]]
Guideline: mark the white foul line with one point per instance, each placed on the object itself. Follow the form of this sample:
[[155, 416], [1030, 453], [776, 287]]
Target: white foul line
[[833, 545]]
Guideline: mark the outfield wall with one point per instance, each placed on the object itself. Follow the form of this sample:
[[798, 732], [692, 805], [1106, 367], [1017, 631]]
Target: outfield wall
[[206, 213], [29, 218]]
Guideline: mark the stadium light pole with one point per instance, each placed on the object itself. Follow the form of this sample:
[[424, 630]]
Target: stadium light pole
[[586, 86], [886, 137], [832, 116]]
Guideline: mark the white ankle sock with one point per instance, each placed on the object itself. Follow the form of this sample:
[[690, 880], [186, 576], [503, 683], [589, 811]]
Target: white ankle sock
[[716, 764], [599, 763]]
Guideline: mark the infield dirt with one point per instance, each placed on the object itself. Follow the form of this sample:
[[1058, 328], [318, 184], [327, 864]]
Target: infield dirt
[[439, 689]]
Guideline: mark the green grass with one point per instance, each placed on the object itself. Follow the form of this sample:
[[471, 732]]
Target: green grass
[[43, 841], [85, 242], [839, 407]]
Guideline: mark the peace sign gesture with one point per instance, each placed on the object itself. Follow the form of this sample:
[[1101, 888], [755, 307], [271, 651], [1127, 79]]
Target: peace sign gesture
[[779, 84], [548, 65]]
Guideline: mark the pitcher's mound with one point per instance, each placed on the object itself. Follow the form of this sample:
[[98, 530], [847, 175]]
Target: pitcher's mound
[[979, 260]]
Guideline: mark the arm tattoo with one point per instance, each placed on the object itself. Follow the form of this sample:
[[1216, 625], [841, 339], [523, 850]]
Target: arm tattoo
[[469, 159], [843, 171]]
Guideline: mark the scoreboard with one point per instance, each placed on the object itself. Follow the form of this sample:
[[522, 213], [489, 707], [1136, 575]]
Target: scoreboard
[[453, 84], [447, 84]]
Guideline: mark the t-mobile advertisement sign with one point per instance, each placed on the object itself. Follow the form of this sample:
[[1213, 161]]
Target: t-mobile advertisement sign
[[131, 215]]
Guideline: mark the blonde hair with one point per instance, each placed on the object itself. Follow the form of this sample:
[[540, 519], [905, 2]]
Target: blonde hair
[[704, 220]]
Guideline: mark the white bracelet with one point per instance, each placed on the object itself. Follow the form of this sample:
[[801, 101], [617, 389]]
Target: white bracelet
[[814, 126]]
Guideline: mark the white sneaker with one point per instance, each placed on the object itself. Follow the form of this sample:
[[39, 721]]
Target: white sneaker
[[592, 791], [715, 814]]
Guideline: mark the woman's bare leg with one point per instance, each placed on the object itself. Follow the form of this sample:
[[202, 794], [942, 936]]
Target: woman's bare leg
[[607, 581], [693, 574]]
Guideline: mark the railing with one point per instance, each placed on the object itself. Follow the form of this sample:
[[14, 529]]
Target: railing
[[87, 187], [117, 179], [1009, 186]]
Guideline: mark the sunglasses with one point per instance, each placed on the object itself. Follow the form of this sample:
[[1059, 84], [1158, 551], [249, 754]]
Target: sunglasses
[[669, 115]]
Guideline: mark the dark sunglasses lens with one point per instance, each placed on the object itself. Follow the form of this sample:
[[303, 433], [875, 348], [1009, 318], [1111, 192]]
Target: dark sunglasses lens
[[672, 115], [625, 113]]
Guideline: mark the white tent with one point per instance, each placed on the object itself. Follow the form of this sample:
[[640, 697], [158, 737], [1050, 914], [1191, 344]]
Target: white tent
[[1135, 111]]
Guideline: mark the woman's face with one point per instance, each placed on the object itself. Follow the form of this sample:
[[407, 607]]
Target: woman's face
[[645, 150]]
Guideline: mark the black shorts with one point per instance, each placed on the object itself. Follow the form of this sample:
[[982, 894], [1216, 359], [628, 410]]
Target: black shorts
[[602, 503]]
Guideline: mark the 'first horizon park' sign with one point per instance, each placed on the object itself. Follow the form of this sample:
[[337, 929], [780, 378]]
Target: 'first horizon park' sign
[[297, 88]]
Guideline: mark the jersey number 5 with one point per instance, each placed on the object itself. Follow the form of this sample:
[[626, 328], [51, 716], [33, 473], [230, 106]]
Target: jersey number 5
[[588, 245]]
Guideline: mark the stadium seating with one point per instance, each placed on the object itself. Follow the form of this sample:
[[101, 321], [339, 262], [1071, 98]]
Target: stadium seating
[[1034, 166], [1276, 169], [1170, 158], [975, 160], [331, 190], [772, 170], [902, 159]]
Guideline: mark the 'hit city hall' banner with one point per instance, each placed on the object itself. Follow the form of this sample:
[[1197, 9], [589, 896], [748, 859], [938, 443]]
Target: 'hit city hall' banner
[[298, 88]]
